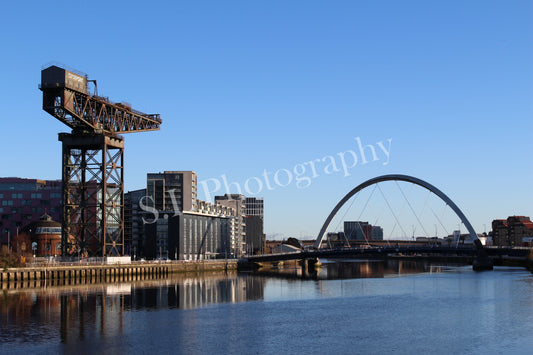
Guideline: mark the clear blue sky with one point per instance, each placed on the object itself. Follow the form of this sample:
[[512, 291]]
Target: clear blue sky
[[244, 86]]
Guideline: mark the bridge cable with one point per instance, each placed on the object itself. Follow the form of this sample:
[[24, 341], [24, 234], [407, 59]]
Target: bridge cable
[[342, 219], [383, 210], [394, 215], [348, 209], [412, 210], [363, 210], [423, 210], [397, 219], [345, 213], [438, 219]]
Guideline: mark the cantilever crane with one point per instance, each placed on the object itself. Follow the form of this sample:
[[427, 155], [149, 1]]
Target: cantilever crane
[[93, 161]]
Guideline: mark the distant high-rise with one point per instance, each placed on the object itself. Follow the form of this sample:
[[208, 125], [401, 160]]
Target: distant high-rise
[[254, 206], [357, 230], [255, 237], [377, 233]]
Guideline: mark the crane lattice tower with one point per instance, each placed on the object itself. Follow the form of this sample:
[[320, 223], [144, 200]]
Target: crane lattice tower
[[93, 161]]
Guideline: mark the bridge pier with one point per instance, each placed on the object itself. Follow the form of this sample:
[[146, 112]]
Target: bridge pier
[[304, 264], [482, 262], [314, 264]]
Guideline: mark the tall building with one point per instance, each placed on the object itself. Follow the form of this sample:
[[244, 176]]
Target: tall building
[[179, 226], [250, 238], [254, 236], [133, 222], [172, 191], [236, 201], [186, 228], [23, 201], [254, 206]]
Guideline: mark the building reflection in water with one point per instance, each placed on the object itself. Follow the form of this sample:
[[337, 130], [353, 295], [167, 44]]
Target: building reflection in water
[[350, 269], [97, 311], [374, 269], [87, 312]]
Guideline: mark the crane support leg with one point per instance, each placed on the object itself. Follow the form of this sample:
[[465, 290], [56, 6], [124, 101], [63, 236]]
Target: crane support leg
[[93, 195]]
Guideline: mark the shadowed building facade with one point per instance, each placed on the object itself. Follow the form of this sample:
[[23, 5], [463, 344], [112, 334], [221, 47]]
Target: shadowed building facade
[[23, 201]]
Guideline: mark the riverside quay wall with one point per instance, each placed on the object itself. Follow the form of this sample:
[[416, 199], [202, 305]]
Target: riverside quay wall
[[79, 273]]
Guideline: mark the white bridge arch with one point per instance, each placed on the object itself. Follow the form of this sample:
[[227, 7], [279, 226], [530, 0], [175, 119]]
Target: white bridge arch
[[397, 177]]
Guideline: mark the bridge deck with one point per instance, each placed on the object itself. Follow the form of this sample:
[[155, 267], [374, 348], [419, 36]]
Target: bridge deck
[[390, 250]]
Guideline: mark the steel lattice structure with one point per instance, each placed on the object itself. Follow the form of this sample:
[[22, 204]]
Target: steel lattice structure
[[80, 111], [93, 161]]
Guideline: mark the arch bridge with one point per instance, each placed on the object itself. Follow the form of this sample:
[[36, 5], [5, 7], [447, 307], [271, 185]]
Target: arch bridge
[[481, 260], [405, 178]]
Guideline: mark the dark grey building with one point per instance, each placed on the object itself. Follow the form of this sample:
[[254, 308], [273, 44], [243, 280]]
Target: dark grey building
[[357, 230], [255, 238], [189, 236], [133, 223]]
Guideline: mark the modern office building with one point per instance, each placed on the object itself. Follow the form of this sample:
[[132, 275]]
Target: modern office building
[[23, 201], [168, 221], [184, 227], [357, 230], [250, 221], [172, 191], [255, 238], [133, 222], [190, 235], [236, 201], [377, 233], [254, 206], [254, 225]]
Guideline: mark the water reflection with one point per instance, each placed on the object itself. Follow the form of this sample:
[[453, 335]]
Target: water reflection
[[350, 269], [89, 311], [72, 314]]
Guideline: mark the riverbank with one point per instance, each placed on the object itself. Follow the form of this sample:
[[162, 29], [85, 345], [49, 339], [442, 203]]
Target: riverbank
[[91, 273]]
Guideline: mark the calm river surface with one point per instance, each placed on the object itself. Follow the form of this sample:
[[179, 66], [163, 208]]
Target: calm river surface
[[347, 308]]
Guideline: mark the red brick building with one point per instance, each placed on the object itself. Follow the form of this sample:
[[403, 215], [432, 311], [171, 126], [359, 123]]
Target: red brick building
[[511, 231], [23, 201]]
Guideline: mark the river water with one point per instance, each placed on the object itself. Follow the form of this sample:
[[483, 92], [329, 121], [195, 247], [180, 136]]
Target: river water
[[349, 307]]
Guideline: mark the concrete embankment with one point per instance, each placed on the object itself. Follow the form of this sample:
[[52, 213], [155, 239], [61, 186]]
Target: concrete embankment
[[84, 273]]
